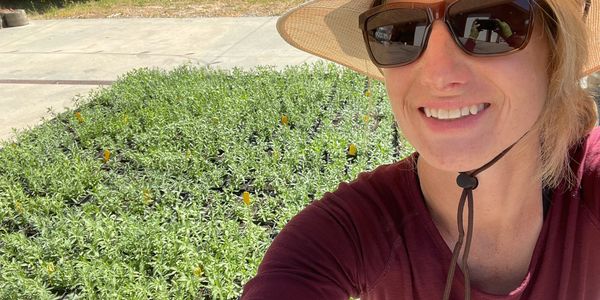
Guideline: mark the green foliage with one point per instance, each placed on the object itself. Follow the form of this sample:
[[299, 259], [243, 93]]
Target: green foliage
[[39, 6], [137, 194]]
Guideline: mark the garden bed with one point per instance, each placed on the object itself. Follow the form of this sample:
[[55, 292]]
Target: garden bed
[[172, 185]]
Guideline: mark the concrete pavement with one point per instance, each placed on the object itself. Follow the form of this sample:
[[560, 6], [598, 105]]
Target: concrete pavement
[[47, 63]]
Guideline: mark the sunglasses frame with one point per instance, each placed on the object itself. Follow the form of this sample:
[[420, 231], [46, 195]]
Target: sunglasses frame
[[435, 11]]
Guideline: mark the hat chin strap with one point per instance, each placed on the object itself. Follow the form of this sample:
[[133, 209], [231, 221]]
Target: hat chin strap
[[468, 182]]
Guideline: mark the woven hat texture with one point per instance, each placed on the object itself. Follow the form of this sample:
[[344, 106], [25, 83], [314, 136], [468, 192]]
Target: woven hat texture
[[330, 29]]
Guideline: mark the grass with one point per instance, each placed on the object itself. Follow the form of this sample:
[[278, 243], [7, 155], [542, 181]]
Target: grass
[[61, 9], [172, 185]]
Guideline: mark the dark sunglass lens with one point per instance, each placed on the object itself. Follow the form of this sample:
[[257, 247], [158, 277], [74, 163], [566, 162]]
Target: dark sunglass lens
[[490, 26], [396, 36]]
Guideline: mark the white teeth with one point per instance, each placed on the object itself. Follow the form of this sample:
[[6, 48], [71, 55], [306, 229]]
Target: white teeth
[[442, 114], [465, 111], [450, 114], [454, 114], [427, 112], [473, 109]]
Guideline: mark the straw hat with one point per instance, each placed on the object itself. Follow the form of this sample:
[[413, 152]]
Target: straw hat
[[329, 29]]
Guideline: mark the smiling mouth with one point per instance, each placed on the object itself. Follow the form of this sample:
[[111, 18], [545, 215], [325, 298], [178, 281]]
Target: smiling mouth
[[453, 114]]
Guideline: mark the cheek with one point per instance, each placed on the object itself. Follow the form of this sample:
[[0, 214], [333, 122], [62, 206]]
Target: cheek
[[396, 84], [539, 82], [527, 82]]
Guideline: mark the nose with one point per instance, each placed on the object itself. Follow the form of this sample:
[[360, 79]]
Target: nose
[[443, 65]]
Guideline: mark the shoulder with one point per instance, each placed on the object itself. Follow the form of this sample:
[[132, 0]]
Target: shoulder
[[593, 141], [338, 245], [381, 193], [370, 211], [589, 156], [588, 172], [383, 182], [593, 145]]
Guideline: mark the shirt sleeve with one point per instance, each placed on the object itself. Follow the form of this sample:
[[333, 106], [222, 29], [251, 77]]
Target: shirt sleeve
[[313, 257], [514, 41]]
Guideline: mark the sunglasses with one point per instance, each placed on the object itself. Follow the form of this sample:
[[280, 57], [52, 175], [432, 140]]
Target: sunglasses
[[396, 34]]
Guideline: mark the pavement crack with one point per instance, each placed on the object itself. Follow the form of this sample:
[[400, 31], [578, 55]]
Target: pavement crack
[[56, 82], [100, 52], [216, 60]]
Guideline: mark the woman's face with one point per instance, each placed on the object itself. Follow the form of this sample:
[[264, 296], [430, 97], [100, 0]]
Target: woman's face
[[507, 93]]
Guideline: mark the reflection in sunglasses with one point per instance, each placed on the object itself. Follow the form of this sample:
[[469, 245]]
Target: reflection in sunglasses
[[396, 33]]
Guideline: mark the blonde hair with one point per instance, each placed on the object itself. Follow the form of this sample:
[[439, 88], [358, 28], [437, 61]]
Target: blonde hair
[[569, 112]]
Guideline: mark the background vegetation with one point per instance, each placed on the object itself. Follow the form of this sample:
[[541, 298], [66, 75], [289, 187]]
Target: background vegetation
[[172, 185], [50, 9]]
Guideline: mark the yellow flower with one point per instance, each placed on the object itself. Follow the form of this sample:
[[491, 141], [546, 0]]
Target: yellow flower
[[78, 117], [246, 198], [198, 271], [19, 207], [284, 120], [50, 268], [106, 155], [147, 197], [366, 118], [352, 150], [368, 93]]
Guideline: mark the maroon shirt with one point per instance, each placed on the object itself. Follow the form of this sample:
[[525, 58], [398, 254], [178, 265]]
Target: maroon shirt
[[374, 238]]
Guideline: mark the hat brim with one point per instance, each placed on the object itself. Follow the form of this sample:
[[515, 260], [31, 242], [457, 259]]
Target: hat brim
[[330, 29]]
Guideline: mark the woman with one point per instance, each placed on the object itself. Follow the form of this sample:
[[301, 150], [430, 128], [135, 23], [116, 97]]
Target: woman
[[487, 91]]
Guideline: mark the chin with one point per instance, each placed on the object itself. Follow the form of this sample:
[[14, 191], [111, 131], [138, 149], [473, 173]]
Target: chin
[[454, 165], [454, 158]]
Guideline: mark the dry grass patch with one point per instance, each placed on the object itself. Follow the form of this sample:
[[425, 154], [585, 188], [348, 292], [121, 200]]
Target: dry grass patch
[[155, 8]]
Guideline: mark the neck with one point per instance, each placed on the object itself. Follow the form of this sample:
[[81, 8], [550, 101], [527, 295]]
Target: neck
[[507, 196]]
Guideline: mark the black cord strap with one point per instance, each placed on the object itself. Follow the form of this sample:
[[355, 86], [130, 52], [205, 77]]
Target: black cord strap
[[468, 182]]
